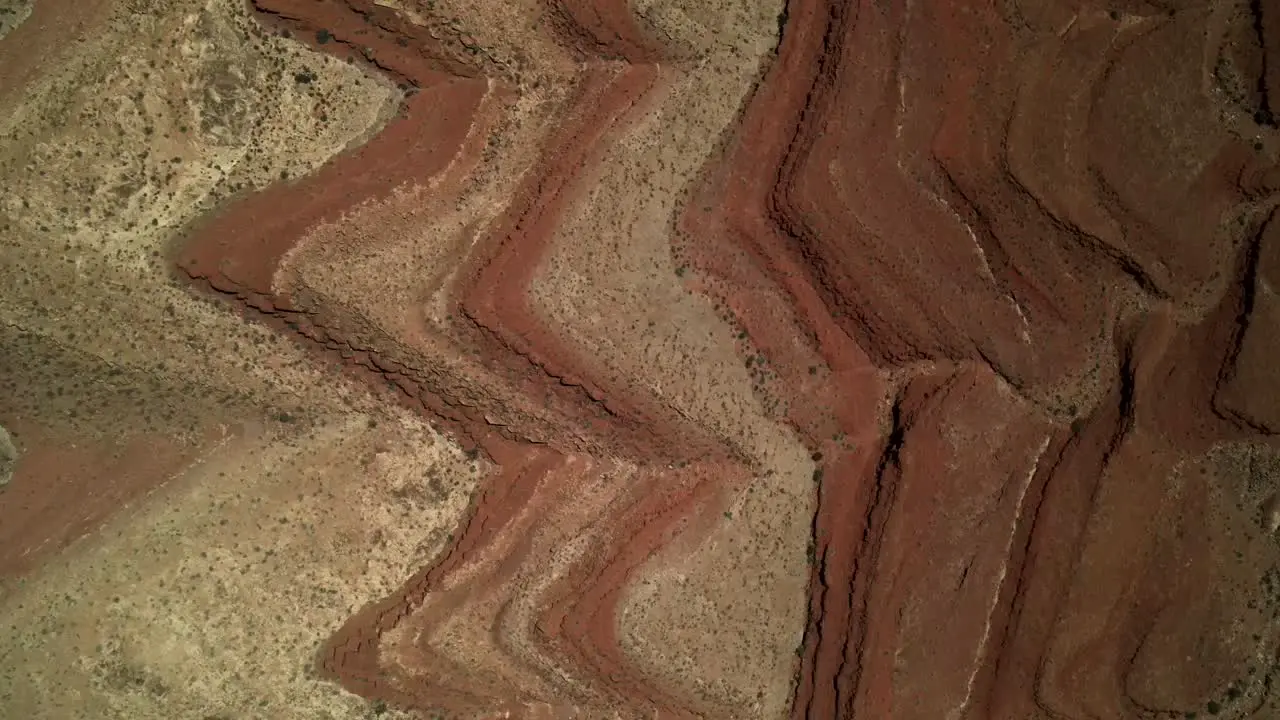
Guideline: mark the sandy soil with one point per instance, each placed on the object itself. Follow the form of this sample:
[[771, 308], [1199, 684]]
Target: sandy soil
[[657, 358]]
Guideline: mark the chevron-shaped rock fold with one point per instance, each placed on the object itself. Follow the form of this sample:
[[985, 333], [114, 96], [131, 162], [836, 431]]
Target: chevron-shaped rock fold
[[590, 358]]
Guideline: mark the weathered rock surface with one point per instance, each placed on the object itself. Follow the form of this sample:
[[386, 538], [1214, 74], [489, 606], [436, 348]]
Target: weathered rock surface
[[827, 359]]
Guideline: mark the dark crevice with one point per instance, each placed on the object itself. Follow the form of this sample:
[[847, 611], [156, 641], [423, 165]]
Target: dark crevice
[[1247, 283], [819, 586], [1248, 288], [1265, 114], [883, 491], [783, 16]]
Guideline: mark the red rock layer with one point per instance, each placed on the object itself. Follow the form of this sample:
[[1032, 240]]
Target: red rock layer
[[70, 484], [237, 254], [1011, 269], [943, 187]]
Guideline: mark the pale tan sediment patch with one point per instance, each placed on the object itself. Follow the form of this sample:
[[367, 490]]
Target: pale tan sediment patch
[[512, 36], [608, 282], [212, 594], [212, 598], [434, 224], [353, 266], [161, 113], [721, 620], [482, 622], [359, 258], [12, 14]]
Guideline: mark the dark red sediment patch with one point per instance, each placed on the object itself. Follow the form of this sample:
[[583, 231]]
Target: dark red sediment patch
[[92, 439], [54, 27], [67, 485]]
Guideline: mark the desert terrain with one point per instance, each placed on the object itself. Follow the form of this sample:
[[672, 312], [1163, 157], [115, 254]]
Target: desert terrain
[[727, 359]]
